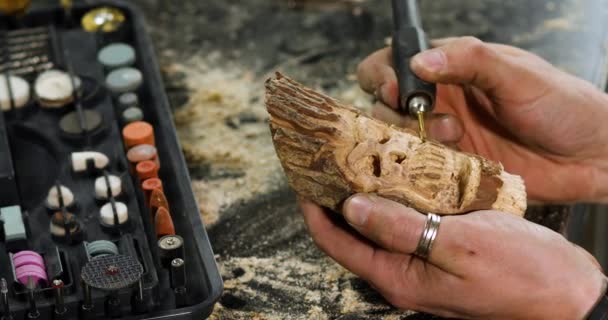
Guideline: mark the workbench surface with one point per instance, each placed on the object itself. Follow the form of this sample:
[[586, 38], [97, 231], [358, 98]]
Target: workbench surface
[[215, 56]]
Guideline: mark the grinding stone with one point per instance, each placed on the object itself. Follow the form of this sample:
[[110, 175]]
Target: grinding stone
[[20, 89], [124, 80], [141, 152], [132, 114], [102, 247], [128, 99], [14, 229], [69, 123], [25, 257], [116, 55], [35, 272]]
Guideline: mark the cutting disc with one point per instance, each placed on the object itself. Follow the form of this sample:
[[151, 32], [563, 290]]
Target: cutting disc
[[111, 273]]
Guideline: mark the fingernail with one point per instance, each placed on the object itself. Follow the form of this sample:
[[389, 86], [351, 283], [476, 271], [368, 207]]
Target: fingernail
[[358, 209], [446, 129], [432, 60]]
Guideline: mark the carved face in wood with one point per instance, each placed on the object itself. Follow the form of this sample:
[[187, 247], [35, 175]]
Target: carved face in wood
[[330, 151], [396, 164]]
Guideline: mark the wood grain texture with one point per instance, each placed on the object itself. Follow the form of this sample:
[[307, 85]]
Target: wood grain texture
[[330, 151]]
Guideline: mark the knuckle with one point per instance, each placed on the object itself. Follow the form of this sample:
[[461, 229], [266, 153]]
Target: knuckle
[[361, 69], [474, 46], [466, 244]]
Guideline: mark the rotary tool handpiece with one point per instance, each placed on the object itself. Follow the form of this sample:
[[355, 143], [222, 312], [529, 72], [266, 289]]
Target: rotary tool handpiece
[[416, 96]]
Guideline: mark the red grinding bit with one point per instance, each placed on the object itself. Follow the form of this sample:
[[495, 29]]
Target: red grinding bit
[[146, 170], [158, 200], [163, 223], [138, 132], [150, 185]]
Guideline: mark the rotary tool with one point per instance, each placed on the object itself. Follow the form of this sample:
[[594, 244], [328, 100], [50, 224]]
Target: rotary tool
[[416, 96]]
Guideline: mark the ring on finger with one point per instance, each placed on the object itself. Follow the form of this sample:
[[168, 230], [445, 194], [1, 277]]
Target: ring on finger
[[427, 238]]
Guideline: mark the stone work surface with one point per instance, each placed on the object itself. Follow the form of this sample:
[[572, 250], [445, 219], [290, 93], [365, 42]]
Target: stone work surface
[[215, 56]]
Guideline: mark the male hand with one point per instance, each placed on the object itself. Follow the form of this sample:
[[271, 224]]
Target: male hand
[[510, 106], [484, 265]]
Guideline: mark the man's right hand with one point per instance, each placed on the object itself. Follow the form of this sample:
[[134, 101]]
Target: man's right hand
[[510, 106]]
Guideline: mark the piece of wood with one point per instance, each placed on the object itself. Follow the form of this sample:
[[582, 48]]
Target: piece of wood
[[330, 151]]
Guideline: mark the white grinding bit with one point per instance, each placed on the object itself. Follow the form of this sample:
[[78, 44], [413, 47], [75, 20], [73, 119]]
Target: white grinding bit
[[101, 187], [107, 214], [79, 160], [52, 198]]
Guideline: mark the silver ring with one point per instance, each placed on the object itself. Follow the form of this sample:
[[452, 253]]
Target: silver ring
[[425, 244]]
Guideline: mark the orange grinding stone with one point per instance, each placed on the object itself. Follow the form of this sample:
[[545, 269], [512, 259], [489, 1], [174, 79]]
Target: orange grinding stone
[[163, 223], [147, 169], [150, 185], [158, 200], [138, 132]]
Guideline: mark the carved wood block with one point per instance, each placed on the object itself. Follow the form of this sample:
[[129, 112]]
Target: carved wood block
[[330, 151]]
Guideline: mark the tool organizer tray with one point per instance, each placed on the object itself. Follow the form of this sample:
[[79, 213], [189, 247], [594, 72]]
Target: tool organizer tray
[[47, 178]]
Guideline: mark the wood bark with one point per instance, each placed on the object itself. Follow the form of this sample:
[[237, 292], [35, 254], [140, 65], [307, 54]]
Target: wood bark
[[330, 151]]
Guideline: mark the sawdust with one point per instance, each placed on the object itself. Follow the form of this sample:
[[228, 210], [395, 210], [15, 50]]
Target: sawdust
[[314, 285], [214, 136], [224, 132]]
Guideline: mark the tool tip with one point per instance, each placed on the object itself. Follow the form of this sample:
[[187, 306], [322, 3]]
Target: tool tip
[[422, 130]]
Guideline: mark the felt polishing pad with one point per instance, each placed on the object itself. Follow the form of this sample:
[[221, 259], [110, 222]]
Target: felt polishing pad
[[54, 88], [20, 92]]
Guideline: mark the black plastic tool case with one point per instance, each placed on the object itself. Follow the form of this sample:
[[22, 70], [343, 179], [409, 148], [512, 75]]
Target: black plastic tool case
[[40, 158]]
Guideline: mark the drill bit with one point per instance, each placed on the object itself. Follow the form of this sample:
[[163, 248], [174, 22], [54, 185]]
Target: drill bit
[[422, 130], [418, 106]]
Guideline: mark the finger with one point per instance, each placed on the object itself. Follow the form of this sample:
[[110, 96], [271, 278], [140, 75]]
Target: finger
[[383, 113], [506, 49], [348, 250], [444, 128], [467, 61], [391, 225], [406, 282], [377, 76]]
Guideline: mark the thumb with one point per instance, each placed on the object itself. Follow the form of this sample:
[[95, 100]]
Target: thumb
[[387, 223], [466, 61], [391, 225]]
